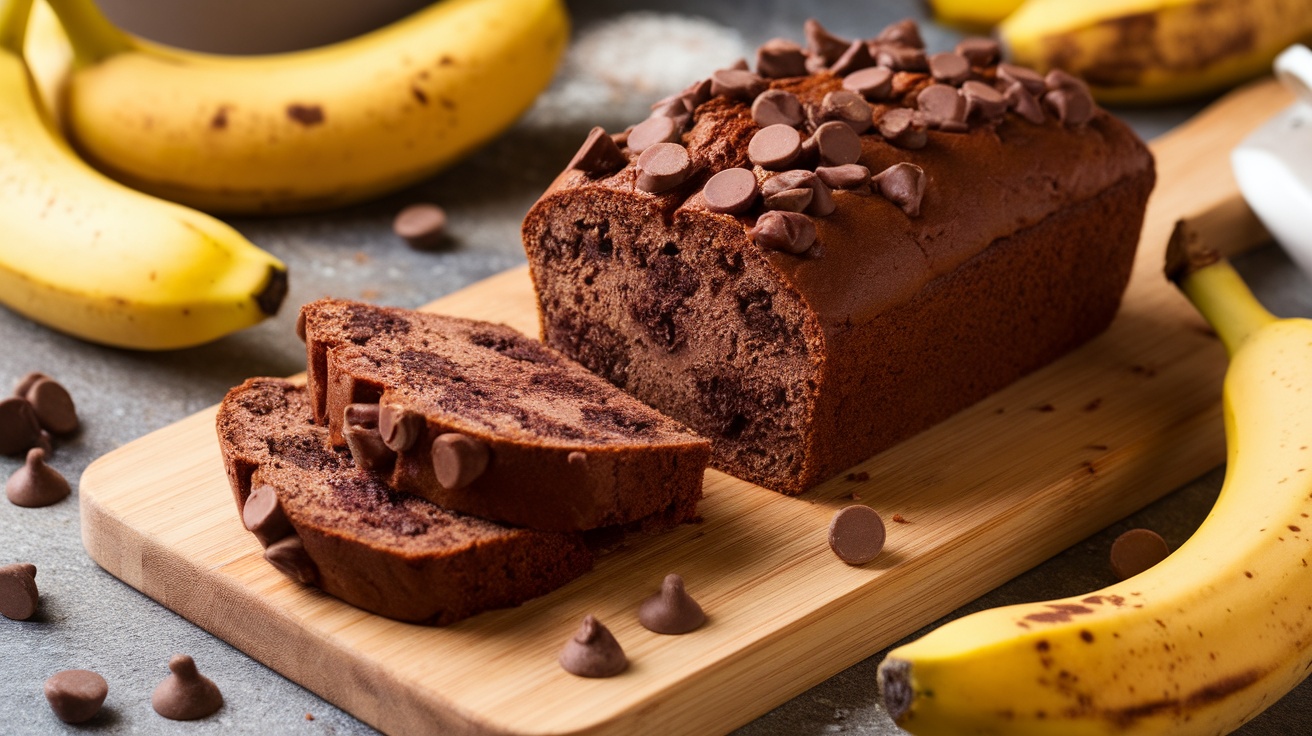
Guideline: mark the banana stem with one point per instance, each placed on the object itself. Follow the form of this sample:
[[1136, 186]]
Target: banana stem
[[92, 36], [1226, 302], [13, 24]]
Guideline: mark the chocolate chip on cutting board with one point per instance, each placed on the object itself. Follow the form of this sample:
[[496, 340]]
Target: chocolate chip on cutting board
[[856, 534], [593, 652], [672, 610]]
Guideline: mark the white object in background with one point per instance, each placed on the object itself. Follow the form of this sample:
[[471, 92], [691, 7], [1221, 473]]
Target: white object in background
[[1273, 165]]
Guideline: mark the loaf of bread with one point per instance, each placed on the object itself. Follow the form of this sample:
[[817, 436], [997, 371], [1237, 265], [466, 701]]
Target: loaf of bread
[[482, 420], [813, 262], [342, 529]]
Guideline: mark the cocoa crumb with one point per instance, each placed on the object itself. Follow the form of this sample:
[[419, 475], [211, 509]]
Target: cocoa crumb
[[854, 496], [361, 257], [1045, 408], [1093, 405], [309, 717], [858, 477], [899, 518]]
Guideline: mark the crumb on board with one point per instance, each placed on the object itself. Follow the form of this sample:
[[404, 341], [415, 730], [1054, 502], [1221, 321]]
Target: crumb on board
[[899, 518], [858, 477]]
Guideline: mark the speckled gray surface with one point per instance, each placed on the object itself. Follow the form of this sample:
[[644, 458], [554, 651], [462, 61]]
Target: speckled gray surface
[[90, 620]]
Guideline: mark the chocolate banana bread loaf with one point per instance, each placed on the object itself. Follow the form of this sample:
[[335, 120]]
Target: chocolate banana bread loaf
[[480, 419], [325, 522], [817, 260]]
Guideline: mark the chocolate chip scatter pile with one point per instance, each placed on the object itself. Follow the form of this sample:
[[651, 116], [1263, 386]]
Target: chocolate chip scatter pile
[[18, 594], [186, 694], [856, 534], [39, 410], [36, 484], [76, 695], [593, 652], [891, 88], [1136, 551], [672, 610]]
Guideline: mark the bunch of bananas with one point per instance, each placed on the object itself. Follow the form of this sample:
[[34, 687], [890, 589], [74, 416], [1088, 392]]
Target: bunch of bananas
[[1142, 51], [109, 263], [1197, 644]]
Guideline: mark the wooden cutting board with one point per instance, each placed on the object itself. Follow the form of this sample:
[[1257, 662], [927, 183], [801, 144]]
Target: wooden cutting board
[[985, 495]]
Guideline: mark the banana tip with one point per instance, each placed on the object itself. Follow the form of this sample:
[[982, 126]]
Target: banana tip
[[275, 290], [1184, 255], [895, 687]]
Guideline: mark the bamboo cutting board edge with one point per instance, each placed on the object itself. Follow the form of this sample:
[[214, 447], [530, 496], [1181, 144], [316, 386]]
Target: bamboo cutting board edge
[[170, 529]]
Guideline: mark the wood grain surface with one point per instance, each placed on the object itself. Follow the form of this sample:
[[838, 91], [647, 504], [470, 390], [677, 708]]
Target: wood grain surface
[[985, 495]]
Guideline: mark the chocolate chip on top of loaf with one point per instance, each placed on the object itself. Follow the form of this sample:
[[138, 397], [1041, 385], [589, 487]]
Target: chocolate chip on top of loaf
[[480, 419], [914, 231]]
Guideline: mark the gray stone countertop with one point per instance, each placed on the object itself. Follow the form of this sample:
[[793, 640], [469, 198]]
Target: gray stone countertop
[[622, 59]]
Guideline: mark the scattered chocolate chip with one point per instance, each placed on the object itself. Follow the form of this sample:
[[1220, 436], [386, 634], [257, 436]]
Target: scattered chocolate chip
[[599, 155], [872, 83], [186, 694], [902, 59], [422, 226], [1025, 103], [943, 107], [18, 594], [399, 427], [36, 484], [676, 107], [76, 695], [593, 652], [737, 84], [837, 143], [979, 50], [739, 66], [652, 131], [857, 56], [790, 200], [731, 191], [363, 439], [458, 459], [847, 176], [903, 128], [779, 58], [903, 185], [949, 68], [663, 166], [983, 102], [1069, 99], [697, 93], [775, 147], [1136, 551], [262, 515], [779, 190], [672, 610], [20, 430], [902, 33], [24, 383], [789, 232], [856, 534], [288, 555], [821, 44], [846, 107], [777, 107], [1024, 76]]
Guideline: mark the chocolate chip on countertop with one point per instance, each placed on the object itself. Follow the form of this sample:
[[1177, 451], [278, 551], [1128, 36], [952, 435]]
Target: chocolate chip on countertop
[[24, 383], [872, 83], [599, 155], [777, 107], [856, 534], [186, 694], [847, 176], [944, 108], [36, 484], [262, 515], [364, 440], [53, 405], [20, 430], [672, 610], [731, 191], [775, 147], [458, 459], [1024, 76], [902, 33], [983, 102], [400, 428], [290, 558], [422, 225], [737, 84], [847, 107], [781, 185], [903, 185], [1136, 551], [856, 57], [949, 68], [1025, 103], [593, 652], [19, 597], [663, 166], [821, 44], [652, 131], [903, 128], [779, 58], [902, 58], [789, 232], [76, 696], [836, 143], [979, 50]]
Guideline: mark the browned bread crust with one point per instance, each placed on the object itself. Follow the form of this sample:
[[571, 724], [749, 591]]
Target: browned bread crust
[[800, 366], [391, 553], [568, 451]]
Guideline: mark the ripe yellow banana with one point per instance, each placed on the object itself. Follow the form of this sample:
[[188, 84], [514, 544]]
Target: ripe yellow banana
[[90, 257], [1147, 51], [48, 55], [973, 14], [1198, 644], [311, 129]]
